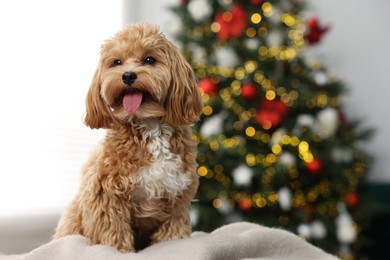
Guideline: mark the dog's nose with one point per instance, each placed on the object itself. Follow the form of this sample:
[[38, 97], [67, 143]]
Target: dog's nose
[[129, 77]]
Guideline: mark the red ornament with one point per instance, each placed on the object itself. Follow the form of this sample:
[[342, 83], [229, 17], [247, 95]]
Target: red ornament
[[342, 115], [271, 113], [232, 23], [208, 86], [352, 199], [256, 2], [315, 31], [184, 2], [248, 91], [315, 166], [245, 204]]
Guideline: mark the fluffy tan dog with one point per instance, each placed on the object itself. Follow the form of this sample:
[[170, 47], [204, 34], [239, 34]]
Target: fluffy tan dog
[[137, 186]]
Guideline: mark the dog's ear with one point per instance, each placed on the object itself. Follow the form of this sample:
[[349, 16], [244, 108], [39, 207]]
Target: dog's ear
[[184, 102], [97, 114]]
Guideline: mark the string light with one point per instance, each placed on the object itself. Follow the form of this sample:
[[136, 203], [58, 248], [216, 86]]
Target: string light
[[250, 66], [256, 18], [236, 90], [267, 9], [276, 149], [262, 32], [237, 125], [260, 202], [214, 145], [207, 110], [251, 32], [202, 171], [217, 203], [231, 143], [288, 19], [250, 159], [227, 16], [218, 168], [250, 131], [263, 51], [239, 73], [270, 95], [304, 152], [259, 77]]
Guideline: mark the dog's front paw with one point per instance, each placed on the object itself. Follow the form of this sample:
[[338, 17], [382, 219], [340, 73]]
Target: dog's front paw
[[122, 246], [124, 243], [126, 249], [171, 233]]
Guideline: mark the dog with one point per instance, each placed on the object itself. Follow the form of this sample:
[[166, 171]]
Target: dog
[[137, 187]]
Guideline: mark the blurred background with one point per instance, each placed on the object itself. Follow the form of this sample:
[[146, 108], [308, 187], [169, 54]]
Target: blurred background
[[49, 51]]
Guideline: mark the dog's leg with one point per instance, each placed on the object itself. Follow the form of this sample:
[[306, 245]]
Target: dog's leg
[[70, 222], [177, 226], [107, 221]]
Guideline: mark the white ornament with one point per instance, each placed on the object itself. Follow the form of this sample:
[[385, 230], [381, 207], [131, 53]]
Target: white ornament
[[276, 15], [305, 231], [320, 78], [318, 229], [200, 10], [285, 198], [274, 38], [345, 230], [305, 120], [194, 216], [287, 159], [226, 206], [213, 125], [225, 3], [226, 57], [199, 54], [242, 175], [174, 25], [328, 120], [342, 155], [309, 57], [277, 136], [252, 43], [234, 218]]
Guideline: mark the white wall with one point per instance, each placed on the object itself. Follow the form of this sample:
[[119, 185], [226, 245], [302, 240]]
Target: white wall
[[148, 11], [48, 54], [357, 47]]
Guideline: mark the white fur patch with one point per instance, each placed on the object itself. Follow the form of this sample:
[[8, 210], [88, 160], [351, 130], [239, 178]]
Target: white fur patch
[[164, 175]]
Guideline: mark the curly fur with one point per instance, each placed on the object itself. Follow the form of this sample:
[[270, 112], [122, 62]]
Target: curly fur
[[138, 184]]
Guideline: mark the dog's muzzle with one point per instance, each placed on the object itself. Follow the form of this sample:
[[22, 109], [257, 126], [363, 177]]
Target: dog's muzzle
[[129, 77]]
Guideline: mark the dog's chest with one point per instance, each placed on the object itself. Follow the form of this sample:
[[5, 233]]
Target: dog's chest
[[164, 177]]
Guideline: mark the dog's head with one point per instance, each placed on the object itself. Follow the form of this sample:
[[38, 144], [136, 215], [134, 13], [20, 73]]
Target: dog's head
[[141, 74]]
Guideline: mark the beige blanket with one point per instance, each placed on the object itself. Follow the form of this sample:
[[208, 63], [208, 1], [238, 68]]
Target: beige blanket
[[234, 241]]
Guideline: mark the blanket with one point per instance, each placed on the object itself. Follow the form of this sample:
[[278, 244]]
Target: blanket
[[233, 241]]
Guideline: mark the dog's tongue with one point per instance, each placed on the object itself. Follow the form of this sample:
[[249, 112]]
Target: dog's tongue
[[132, 101]]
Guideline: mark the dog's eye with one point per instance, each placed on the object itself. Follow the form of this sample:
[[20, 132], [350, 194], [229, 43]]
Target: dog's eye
[[149, 60], [117, 62]]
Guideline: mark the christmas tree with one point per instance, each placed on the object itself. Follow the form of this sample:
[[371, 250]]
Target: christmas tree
[[274, 144]]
